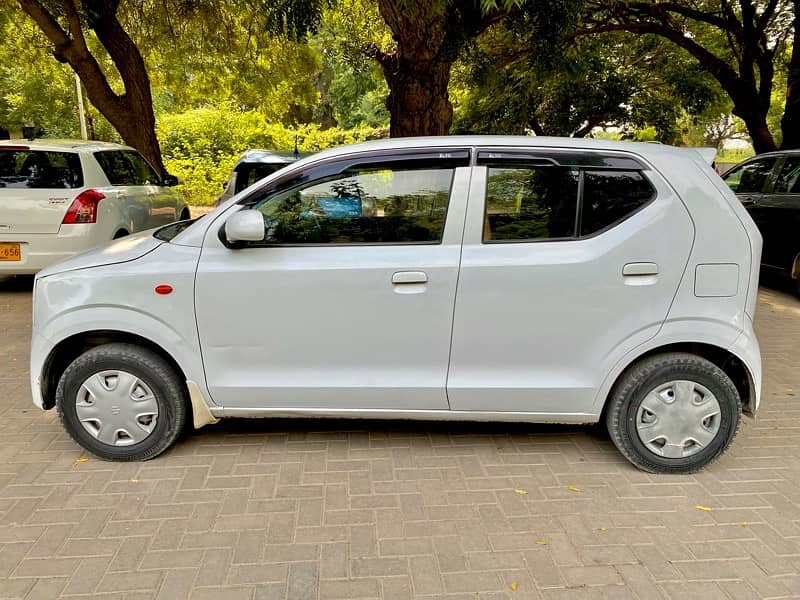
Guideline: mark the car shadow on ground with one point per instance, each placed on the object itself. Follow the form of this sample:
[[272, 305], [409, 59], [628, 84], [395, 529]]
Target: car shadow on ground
[[16, 283]]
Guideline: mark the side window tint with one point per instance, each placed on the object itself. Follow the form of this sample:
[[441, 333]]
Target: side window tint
[[789, 180], [611, 196], [143, 173], [403, 205], [530, 203], [750, 178], [116, 166]]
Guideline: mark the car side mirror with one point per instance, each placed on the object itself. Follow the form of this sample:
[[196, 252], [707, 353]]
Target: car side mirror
[[170, 181], [245, 226]]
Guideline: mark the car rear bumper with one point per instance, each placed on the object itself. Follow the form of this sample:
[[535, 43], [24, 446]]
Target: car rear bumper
[[747, 349], [39, 250]]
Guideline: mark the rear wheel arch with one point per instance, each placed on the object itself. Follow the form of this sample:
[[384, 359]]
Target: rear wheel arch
[[70, 348], [726, 360]]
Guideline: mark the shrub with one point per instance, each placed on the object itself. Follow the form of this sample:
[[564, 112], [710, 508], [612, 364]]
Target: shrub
[[201, 146]]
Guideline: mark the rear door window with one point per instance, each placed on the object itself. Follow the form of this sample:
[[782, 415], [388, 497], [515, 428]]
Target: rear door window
[[751, 177], [143, 173], [39, 169], [117, 167]]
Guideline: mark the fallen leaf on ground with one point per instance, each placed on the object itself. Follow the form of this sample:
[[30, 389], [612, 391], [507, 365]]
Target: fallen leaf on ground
[[80, 459], [520, 491], [514, 585], [603, 529], [574, 488], [744, 523], [704, 508], [134, 481], [542, 542]]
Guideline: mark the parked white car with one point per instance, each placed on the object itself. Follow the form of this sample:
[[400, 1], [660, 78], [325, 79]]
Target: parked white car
[[59, 198], [488, 278]]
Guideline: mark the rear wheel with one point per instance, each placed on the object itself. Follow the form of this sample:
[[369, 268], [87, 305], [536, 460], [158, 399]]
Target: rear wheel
[[185, 214], [122, 402], [673, 413]]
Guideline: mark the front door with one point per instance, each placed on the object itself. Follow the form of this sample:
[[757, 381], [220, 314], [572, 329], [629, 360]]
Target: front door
[[748, 182], [568, 258], [348, 301]]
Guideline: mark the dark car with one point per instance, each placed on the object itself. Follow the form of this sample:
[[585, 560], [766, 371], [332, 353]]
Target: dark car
[[252, 166], [769, 188]]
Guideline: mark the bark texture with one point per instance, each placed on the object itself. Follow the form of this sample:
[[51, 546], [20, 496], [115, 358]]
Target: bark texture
[[130, 113], [429, 38]]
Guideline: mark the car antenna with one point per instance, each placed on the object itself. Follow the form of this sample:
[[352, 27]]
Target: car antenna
[[296, 152]]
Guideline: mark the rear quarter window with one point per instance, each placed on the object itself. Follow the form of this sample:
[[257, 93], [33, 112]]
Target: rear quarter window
[[610, 197], [39, 169]]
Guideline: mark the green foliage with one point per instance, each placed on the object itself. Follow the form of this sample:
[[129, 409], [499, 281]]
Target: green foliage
[[200, 146], [508, 85]]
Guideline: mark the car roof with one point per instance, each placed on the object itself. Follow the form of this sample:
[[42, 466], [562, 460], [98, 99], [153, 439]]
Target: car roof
[[644, 149], [63, 144], [258, 155]]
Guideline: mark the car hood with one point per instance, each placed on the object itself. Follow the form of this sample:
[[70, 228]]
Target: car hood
[[118, 251]]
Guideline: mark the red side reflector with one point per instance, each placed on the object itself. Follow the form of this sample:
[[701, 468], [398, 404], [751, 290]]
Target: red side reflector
[[84, 208], [4, 147], [163, 289]]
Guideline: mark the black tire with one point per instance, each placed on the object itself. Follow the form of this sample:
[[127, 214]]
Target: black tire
[[168, 390], [185, 214], [120, 234], [643, 377]]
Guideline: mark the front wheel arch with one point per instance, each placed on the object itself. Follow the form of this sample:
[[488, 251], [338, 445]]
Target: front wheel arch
[[70, 348]]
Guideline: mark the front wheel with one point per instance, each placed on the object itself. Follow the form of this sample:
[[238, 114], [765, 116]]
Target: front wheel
[[122, 402], [673, 413]]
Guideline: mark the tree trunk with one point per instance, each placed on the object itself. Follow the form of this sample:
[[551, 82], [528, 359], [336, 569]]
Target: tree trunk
[[418, 102], [756, 122], [131, 113], [790, 123]]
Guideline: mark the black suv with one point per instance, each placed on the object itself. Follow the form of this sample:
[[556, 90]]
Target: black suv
[[769, 188]]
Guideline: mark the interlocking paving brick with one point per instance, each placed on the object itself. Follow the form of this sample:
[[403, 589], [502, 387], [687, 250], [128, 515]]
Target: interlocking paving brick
[[293, 510]]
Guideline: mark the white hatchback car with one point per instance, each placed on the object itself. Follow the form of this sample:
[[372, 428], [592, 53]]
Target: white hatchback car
[[492, 278], [60, 197]]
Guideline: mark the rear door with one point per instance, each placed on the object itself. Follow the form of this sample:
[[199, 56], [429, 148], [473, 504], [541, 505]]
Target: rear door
[[36, 188], [566, 259]]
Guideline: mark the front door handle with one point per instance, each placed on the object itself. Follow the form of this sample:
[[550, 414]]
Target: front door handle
[[748, 201], [640, 268], [404, 277]]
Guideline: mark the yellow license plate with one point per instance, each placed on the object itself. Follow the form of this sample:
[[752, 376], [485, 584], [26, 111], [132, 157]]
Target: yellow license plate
[[10, 252]]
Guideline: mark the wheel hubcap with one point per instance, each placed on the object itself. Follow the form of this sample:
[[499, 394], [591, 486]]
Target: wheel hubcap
[[678, 419], [117, 408]]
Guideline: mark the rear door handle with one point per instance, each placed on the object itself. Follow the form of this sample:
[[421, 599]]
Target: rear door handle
[[748, 201], [404, 277], [640, 268]]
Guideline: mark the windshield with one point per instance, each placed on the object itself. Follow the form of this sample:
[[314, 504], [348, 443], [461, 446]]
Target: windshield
[[168, 233]]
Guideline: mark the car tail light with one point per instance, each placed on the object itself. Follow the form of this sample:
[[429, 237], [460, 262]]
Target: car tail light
[[84, 208]]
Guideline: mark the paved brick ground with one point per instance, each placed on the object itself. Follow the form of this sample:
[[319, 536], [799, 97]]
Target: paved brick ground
[[297, 510]]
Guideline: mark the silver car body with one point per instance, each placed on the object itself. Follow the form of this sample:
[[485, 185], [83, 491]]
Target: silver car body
[[531, 331]]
